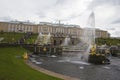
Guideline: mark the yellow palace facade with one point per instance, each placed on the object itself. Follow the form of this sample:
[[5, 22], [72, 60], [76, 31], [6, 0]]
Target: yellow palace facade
[[59, 31]]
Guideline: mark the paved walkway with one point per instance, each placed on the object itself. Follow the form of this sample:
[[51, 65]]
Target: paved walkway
[[49, 72]]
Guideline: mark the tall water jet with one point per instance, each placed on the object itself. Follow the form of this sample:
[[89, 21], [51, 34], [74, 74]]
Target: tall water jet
[[47, 41], [88, 37], [91, 54], [43, 39], [89, 32], [39, 39], [66, 41]]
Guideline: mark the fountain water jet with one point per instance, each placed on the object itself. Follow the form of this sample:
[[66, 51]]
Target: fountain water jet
[[88, 37], [92, 55], [47, 39], [66, 41], [39, 38], [43, 39], [88, 46]]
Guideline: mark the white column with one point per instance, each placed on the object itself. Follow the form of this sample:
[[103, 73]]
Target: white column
[[19, 27], [32, 28], [13, 27], [9, 28], [28, 28], [24, 28]]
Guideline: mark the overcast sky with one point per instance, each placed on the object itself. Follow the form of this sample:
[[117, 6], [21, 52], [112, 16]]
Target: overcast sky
[[107, 12]]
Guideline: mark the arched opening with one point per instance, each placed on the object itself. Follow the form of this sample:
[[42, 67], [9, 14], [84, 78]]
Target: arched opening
[[60, 42], [72, 42], [54, 42]]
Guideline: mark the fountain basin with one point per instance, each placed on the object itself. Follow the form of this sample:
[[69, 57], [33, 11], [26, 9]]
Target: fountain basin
[[98, 59], [44, 50]]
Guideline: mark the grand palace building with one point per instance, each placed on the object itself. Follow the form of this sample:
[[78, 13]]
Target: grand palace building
[[57, 30]]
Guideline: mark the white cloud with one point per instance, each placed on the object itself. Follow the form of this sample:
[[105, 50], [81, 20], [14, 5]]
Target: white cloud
[[48, 9], [77, 12], [104, 13]]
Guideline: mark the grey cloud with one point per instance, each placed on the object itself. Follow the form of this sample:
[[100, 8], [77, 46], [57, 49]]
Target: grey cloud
[[110, 29], [117, 33], [112, 2], [72, 11], [72, 16], [6, 18], [116, 21], [41, 14], [95, 3], [60, 2]]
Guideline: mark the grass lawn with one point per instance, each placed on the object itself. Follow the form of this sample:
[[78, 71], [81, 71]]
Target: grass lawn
[[13, 68], [32, 39], [11, 36], [108, 41]]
